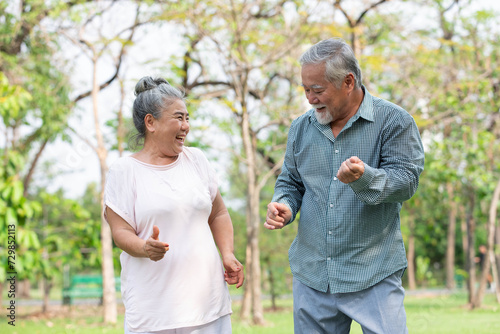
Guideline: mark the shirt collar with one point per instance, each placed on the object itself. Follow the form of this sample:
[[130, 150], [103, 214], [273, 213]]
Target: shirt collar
[[366, 108]]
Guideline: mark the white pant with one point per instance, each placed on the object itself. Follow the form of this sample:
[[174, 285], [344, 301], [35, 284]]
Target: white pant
[[219, 326]]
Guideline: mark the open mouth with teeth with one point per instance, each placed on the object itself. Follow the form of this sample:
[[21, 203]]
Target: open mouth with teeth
[[180, 139]]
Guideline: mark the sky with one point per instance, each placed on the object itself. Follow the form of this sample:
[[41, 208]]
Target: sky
[[75, 164]]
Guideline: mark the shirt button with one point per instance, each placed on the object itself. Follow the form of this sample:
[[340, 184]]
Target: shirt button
[[335, 178], [328, 258], [331, 205], [336, 151], [329, 232]]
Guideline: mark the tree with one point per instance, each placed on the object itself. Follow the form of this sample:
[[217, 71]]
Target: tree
[[31, 124], [27, 59], [356, 25], [96, 48]]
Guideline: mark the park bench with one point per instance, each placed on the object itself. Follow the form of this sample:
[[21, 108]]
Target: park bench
[[85, 286]]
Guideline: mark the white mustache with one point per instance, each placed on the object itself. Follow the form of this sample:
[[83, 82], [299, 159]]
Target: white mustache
[[318, 106]]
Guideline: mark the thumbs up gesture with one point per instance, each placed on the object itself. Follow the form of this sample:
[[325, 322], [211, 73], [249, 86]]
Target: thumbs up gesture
[[154, 249]]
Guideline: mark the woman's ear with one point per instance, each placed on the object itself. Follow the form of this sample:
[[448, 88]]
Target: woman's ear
[[149, 122]]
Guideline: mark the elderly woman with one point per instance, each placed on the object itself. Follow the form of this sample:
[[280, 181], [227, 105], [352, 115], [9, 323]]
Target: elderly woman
[[167, 215]]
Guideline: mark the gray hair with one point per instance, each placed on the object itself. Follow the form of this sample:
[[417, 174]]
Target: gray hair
[[153, 96], [339, 60]]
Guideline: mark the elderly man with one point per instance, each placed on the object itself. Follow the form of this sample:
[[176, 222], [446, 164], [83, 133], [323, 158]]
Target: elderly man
[[350, 163]]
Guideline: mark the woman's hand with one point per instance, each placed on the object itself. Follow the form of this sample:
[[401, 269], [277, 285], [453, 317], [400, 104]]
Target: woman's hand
[[126, 239], [234, 271], [155, 249]]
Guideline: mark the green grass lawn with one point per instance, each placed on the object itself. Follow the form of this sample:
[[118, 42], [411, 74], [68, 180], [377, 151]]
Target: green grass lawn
[[427, 314]]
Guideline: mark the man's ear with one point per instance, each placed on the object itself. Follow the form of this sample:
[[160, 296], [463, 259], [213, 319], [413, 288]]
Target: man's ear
[[349, 81], [149, 122]]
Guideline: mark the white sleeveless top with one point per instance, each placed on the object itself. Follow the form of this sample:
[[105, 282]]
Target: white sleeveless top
[[186, 288]]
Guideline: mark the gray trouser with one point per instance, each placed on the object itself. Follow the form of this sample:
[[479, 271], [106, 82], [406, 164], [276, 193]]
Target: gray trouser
[[378, 309]]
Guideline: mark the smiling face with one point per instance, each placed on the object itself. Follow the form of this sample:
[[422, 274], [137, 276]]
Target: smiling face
[[328, 101], [168, 133]]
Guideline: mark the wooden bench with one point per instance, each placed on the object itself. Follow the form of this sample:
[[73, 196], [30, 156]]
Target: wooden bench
[[460, 278], [85, 286]]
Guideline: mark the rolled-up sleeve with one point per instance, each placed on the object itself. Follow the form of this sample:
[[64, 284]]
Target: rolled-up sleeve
[[119, 192]]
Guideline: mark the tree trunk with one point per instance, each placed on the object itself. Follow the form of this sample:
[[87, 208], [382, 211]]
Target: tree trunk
[[470, 251], [258, 312], [29, 175], [496, 269], [450, 242], [246, 304], [46, 281], [489, 260], [46, 286], [272, 283], [412, 283], [120, 130], [24, 289], [463, 229], [253, 224], [108, 274]]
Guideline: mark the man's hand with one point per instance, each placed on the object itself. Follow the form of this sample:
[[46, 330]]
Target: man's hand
[[234, 271], [278, 215], [351, 170], [154, 248]]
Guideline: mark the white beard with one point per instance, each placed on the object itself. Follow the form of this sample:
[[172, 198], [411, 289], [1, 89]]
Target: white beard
[[324, 117]]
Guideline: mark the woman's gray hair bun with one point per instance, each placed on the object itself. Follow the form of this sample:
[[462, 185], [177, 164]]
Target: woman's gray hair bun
[[148, 83]]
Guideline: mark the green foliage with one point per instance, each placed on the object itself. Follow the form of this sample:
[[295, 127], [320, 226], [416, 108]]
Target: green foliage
[[424, 273], [239, 226], [69, 234], [128, 126], [13, 101], [16, 212], [39, 102]]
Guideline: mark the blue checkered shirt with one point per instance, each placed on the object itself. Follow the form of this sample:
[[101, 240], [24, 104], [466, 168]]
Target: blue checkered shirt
[[349, 235]]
